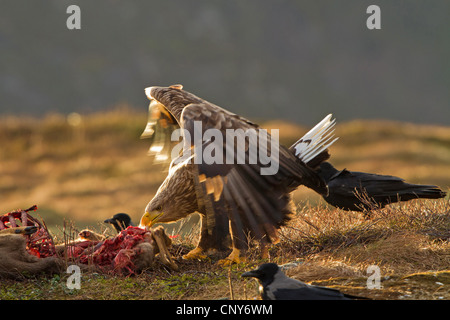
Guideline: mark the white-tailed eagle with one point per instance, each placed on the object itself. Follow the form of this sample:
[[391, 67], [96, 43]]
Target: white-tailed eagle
[[236, 200]]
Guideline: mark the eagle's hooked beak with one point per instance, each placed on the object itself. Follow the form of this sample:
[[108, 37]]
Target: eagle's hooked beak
[[149, 219]]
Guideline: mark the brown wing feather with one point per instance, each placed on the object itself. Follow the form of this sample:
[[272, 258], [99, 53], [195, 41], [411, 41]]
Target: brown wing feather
[[251, 203], [159, 128], [255, 203]]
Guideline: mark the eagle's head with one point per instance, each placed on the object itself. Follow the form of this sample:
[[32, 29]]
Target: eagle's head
[[175, 198]]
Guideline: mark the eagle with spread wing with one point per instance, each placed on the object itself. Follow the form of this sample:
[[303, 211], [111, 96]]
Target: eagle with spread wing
[[236, 202]]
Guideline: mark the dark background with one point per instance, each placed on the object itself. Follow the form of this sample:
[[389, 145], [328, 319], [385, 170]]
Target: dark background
[[294, 60]]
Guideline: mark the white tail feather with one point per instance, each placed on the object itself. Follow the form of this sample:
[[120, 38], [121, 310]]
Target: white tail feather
[[315, 140]]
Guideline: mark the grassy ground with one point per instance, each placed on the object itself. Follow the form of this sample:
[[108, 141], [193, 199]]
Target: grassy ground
[[87, 171], [409, 243]]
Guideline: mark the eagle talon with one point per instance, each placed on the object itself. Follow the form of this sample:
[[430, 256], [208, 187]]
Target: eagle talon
[[195, 254], [234, 257]]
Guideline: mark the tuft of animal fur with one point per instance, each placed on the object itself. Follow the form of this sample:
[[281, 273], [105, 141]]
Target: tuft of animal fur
[[16, 262]]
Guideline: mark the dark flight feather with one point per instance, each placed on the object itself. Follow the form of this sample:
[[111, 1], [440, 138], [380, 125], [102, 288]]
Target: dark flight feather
[[237, 195], [359, 191]]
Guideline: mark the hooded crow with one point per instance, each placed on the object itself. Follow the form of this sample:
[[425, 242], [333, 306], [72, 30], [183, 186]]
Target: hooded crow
[[275, 285], [120, 221], [360, 191]]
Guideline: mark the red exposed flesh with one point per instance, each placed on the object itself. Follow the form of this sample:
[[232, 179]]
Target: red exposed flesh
[[116, 252], [39, 243]]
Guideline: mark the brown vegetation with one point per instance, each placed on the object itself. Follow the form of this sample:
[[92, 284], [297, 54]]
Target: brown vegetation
[[86, 172]]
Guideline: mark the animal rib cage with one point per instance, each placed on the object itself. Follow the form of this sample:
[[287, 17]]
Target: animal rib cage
[[39, 243]]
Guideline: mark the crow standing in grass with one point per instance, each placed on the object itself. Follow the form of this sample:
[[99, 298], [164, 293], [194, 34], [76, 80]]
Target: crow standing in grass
[[275, 285], [120, 221], [360, 191]]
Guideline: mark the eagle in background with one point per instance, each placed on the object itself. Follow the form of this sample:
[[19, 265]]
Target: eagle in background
[[237, 203]]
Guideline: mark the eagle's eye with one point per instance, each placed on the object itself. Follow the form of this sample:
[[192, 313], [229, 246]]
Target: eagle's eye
[[158, 208]]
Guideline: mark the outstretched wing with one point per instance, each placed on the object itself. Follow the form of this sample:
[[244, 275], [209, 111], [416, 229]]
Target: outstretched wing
[[230, 184], [160, 125]]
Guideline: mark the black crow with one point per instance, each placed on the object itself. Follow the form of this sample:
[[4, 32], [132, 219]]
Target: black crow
[[120, 221], [275, 285], [360, 191]]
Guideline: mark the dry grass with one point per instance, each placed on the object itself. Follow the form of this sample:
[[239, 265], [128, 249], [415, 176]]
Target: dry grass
[[408, 242], [403, 240], [81, 175]]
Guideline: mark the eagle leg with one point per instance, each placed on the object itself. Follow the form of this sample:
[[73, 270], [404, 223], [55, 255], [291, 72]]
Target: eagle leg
[[195, 254], [264, 250], [199, 253], [239, 245], [211, 241], [234, 257]]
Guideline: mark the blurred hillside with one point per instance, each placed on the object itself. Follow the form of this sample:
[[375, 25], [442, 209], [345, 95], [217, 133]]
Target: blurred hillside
[[89, 169], [274, 59]]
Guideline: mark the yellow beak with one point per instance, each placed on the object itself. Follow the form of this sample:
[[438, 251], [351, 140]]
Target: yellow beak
[[149, 218]]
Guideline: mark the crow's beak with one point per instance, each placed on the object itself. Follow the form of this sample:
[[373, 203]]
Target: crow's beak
[[251, 274]]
